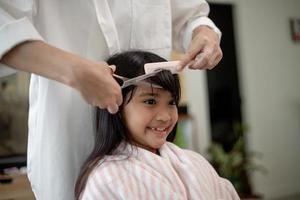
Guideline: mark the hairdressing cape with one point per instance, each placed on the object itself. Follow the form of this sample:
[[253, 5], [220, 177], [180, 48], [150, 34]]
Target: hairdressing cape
[[135, 173]]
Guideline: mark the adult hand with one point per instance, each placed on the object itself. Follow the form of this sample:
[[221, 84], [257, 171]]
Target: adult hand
[[204, 51], [95, 83], [92, 79]]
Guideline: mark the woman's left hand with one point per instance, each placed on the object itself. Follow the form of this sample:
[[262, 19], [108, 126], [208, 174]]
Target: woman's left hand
[[204, 51]]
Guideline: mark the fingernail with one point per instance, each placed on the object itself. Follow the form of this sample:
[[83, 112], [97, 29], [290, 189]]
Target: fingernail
[[112, 67], [113, 109], [110, 110], [199, 57]]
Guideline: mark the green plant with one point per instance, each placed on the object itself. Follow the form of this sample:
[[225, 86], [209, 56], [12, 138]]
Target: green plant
[[236, 164]]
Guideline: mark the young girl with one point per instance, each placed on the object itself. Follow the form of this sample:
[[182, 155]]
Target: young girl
[[133, 157]]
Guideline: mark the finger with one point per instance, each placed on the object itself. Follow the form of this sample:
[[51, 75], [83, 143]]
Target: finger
[[113, 108], [200, 62], [194, 49], [119, 100], [212, 62], [181, 66], [217, 59], [191, 63], [118, 95], [101, 106], [196, 46], [184, 62], [205, 59]]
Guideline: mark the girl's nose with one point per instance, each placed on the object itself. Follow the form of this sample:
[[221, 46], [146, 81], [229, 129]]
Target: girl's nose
[[163, 115]]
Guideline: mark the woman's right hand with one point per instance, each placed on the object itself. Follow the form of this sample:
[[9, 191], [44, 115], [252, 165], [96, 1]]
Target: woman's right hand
[[97, 86], [92, 79]]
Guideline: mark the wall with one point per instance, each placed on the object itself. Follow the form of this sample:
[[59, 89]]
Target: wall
[[269, 67]]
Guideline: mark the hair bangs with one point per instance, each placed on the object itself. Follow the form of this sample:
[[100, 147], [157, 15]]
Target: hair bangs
[[169, 82]]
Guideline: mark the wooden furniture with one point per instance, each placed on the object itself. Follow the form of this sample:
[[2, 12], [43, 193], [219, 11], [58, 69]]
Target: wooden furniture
[[18, 189]]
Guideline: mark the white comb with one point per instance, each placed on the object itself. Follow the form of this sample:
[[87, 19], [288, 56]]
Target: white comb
[[172, 66]]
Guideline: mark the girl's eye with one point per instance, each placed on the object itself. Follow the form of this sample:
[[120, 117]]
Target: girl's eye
[[173, 102], [150, 101]]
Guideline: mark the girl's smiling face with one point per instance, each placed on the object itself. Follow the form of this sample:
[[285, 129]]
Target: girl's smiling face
[[150, 116]]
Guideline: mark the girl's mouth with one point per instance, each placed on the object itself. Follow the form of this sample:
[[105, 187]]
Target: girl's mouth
[[160, 131]]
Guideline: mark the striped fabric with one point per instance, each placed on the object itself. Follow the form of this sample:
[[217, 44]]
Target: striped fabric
[[138, 174]]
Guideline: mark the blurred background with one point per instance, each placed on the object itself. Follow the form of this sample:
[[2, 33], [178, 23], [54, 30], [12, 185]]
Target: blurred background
[[254, 93], [244, 115]]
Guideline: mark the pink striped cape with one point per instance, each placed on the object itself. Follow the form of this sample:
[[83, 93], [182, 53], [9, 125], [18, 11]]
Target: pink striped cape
[[137, 174]]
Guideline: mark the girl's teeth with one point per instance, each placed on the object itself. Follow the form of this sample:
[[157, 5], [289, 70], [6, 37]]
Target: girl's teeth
[[159, 129]]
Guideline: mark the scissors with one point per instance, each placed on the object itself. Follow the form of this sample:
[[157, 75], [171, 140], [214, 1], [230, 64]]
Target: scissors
[[139, 80]]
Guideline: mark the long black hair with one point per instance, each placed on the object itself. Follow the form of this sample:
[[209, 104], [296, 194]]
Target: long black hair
[[111, 130]]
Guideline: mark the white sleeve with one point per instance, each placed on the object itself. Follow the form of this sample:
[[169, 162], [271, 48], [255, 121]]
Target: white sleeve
[[15, 27], [186, 16]]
